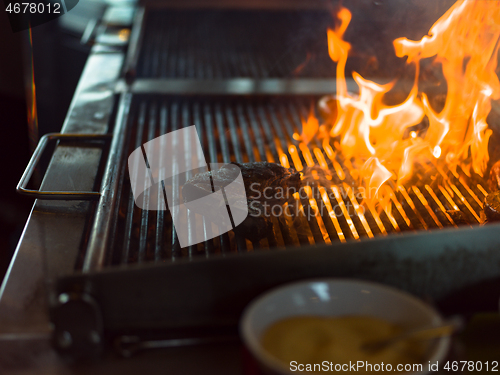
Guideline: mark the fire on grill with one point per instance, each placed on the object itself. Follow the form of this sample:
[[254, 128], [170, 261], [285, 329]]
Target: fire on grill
[[414, 143], [387, 142], [368, 168]]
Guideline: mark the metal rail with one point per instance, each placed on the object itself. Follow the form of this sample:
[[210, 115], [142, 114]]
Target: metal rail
[[234, 86], [101, 226]]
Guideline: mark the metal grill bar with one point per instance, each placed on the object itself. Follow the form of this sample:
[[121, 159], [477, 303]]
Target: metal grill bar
[[129, 226], [174, 125], [160, 214], [231, 43], [214, 158], [258, 129]]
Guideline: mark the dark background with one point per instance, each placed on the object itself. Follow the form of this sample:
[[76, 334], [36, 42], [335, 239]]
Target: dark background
[[14, 149]]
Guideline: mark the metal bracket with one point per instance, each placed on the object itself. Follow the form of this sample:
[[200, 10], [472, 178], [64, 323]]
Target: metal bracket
[[78, 326], [37, 155]]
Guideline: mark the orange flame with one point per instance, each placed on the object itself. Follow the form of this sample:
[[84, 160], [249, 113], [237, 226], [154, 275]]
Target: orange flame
[[32, 109], [465, 40], [309, 128]]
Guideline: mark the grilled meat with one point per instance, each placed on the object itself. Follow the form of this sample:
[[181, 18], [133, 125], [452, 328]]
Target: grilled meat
[[266, 185]]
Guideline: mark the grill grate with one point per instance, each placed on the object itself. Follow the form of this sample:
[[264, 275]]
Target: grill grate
[[260, 129], [227, 44]]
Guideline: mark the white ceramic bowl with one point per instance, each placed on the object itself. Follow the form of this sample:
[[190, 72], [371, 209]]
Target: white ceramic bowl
[[335, 297]]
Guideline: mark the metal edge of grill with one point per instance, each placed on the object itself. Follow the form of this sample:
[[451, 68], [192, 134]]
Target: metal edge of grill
[[246, 130]]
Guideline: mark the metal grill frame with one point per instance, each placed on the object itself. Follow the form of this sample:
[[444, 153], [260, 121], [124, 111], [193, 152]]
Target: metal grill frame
[[244, 129], [213, 292]]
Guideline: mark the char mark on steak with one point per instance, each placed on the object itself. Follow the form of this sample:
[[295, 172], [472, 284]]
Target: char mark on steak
[[266, 185]]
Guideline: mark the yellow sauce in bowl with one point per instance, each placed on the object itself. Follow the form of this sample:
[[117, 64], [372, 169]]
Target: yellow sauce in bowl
[[339, 340]]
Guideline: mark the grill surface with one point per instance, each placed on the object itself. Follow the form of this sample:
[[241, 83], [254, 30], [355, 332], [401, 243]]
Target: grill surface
[[259, 129], [228, 44]]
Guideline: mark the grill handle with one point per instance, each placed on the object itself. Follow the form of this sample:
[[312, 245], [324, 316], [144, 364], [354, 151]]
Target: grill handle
[[35, 159]]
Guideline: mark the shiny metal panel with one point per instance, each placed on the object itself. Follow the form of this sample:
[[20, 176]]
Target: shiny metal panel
[[236, 86]]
